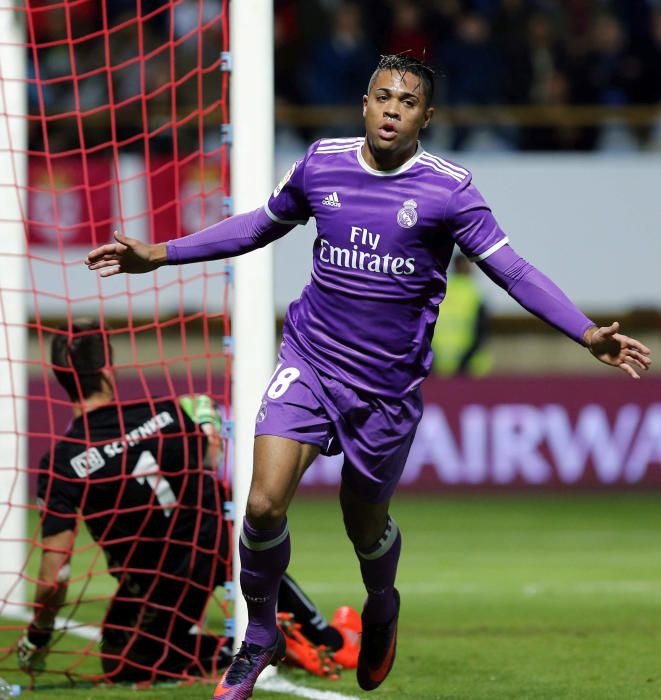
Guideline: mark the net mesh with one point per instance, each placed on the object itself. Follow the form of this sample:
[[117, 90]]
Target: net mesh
[[113, 116]]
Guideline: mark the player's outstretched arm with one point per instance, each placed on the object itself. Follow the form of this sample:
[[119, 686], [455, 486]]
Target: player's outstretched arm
[[126, 255], [612, 348], [236, 235], [539, 295]]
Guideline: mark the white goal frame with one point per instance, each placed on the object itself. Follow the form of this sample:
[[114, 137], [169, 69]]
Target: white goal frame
[[13, 330], [253, 315]]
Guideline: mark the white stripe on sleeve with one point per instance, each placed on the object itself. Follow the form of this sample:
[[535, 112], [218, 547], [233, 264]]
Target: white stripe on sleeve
[[278, 220], [489, 251]]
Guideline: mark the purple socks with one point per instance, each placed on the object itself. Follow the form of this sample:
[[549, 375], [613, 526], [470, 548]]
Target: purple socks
[[264, 559], [378, 566]]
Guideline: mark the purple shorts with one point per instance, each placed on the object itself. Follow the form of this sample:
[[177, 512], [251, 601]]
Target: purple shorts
[[375, 434]]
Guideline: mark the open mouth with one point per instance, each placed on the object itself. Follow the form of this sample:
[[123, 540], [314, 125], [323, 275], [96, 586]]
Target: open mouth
[[387, 131]]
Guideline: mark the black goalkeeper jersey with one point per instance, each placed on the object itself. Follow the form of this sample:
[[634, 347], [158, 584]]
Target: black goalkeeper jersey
[[135, 475]]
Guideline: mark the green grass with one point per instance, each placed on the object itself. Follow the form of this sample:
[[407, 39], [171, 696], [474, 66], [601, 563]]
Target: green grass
[[503, 597]]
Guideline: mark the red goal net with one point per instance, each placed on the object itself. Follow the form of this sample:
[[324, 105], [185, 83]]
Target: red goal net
[[114, 521]]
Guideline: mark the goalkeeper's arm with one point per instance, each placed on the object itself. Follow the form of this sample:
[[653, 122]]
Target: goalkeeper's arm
[[202, 410], [50, 596]]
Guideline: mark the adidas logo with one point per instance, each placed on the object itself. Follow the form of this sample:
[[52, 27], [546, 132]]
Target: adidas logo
[[332, 200]]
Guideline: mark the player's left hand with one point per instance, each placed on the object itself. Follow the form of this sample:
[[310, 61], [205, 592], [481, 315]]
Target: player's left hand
[[31, 658], [613, 348]]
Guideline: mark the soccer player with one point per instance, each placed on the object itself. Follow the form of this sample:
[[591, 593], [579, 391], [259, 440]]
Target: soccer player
[[357, 343], [141, 476]]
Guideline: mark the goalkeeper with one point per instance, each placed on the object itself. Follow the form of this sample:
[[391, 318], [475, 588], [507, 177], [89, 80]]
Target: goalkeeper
[[141, 476]]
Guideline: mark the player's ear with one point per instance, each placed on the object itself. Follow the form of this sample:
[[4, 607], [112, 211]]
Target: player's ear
[[429, 113], [365, 98]]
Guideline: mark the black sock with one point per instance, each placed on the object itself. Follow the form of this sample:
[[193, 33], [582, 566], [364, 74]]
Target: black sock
[[314, 626]]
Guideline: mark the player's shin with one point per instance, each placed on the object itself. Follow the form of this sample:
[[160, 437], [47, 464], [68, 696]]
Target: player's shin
[[378, 566], [264, 559]]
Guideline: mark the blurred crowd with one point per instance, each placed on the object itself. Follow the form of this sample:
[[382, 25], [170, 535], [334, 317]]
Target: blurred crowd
[[154, 49], [484, 52]]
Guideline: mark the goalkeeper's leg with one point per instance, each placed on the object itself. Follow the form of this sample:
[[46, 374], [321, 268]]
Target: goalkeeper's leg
[[150, 640], [310, 641], [341, 636], [314, 626]]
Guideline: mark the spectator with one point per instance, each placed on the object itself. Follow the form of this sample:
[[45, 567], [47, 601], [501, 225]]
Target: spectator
[[287, 45], [578, 15], [444, 16], [474, 70], [635, 16], [610, 70], [409, 33], [648, 87], [461, 329], [511, 38], [340, 58], [345, 54], [545, 55], [650, 84], [555, 91], [611, 73]]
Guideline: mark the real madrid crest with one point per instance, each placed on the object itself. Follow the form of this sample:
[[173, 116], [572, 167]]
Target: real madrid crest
[[261, 414], [407, 216]]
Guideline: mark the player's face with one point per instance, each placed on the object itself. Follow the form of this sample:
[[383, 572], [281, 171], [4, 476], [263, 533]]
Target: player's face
[[395, 111]]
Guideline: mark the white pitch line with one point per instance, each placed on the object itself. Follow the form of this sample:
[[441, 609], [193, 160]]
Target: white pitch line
[[529, 589], [277, 684], [63, 624]]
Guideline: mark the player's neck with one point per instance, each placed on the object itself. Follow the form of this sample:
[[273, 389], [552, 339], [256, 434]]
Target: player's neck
[[101, 398], [386, 160]]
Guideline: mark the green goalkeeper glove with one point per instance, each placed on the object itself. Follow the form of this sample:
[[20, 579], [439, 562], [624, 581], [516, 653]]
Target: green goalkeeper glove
[[201, 409], [32, 650]]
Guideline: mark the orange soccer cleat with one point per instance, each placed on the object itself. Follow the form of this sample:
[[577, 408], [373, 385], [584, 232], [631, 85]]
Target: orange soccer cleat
[[348, 623], [300, 651]]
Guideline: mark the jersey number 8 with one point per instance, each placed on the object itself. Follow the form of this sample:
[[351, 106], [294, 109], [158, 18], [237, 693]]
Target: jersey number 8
[[282, 381]]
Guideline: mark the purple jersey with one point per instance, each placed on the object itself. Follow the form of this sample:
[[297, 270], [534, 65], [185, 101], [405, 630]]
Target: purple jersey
[[384, 241]]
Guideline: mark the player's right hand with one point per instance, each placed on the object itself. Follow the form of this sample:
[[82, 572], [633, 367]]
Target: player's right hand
[[31, 658], [126, 255]]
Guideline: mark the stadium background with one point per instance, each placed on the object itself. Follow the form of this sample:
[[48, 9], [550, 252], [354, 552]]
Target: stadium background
[[571, 173], [556, 108]]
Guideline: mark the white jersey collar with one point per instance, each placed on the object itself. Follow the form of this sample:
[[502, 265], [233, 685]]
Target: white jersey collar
[[389, 173]]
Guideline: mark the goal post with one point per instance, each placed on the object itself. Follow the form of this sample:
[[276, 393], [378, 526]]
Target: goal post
[[252, 164], [13, 327]]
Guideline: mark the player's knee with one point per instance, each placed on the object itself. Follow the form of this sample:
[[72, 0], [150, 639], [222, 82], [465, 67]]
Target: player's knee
[[359, 532], [364, 529], [264, 512]]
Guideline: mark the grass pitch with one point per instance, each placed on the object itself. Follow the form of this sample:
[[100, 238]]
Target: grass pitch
[[503, 597]]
